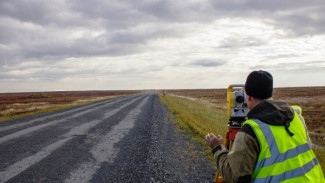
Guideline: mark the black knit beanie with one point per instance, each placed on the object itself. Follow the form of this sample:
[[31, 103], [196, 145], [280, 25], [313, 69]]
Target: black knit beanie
[[259, 84]]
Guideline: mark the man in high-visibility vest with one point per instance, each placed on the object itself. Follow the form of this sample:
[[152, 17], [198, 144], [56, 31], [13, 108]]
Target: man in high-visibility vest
[[273, 144]]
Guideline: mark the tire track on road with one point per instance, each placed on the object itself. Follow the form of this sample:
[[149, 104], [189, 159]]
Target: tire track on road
[[104, 151]]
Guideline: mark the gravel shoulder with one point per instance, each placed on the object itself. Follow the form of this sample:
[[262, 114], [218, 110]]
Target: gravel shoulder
[[154, 151], [181, 156]]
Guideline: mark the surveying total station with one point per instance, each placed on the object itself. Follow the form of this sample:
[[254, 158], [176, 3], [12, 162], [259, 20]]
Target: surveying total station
[[237, 112]]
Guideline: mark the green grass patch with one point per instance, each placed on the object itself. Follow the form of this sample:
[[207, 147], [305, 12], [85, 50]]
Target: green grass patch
[[196, 118]]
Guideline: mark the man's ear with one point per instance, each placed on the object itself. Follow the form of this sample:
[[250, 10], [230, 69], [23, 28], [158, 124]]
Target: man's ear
[[249, 98], [250, 102]]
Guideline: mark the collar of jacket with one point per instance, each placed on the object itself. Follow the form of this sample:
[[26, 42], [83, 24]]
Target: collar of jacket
[[273, 113]]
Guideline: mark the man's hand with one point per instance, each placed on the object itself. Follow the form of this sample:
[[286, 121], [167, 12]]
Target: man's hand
[[213, 141]]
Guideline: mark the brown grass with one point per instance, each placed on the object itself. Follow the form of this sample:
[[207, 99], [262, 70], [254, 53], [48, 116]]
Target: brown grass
[[14, 105]]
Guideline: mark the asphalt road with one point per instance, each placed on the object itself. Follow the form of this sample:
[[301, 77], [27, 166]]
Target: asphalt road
[[128, 139]]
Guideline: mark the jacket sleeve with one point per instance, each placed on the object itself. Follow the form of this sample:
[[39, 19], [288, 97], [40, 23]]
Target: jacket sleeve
[[238, 165]]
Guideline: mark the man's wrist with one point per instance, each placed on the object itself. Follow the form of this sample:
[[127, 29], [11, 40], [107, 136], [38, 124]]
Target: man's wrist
[[217, 148]]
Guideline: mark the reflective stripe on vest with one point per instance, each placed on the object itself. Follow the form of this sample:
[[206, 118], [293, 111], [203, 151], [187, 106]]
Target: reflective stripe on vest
[[276, 156], [273, 164], [289, 174]]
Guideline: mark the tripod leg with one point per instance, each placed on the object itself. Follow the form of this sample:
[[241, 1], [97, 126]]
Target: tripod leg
[[218, 178], [230, 144]]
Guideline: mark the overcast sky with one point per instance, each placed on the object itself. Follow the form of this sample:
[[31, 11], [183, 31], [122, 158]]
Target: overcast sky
[[158, 44]]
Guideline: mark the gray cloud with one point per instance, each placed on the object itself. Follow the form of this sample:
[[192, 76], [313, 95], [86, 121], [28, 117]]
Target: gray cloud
[[27, 11], [298, 16], [124, 14], [292, 65], [53, 17], [207, 63], [133, 37]]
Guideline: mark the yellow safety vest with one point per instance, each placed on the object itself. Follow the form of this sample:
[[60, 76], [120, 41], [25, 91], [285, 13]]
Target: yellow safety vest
[[283, 158]]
